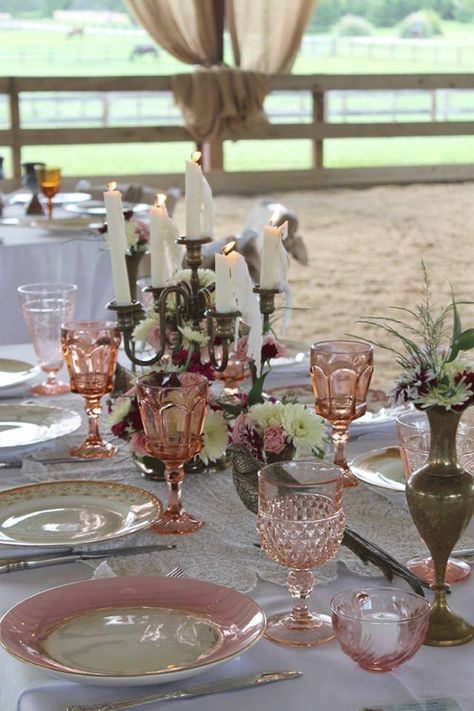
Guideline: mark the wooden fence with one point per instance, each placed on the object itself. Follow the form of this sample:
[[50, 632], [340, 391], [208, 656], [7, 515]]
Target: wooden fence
[[317, 131]]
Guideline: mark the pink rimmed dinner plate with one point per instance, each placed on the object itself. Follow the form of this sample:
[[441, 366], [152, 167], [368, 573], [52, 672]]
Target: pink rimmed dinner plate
[[131, 631]]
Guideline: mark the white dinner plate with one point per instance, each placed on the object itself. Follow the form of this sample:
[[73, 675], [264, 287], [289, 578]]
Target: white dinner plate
[[26, 425], [59, 199], [75, 512], [63, 224], [131, 631], [97, 207], [16, 372], [382, 471]]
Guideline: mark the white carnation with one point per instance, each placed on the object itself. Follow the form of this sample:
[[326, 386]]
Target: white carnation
[[215, 437], [266, 414], [304, 428]]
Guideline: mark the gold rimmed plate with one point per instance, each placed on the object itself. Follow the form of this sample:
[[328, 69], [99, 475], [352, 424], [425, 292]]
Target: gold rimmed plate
[[69, 513], [382, 471], [59, 199], [132, 631], [16, 372]]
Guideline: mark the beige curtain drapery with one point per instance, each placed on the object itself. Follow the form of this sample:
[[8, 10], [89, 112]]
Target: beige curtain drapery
[[221, 101], [266, 34], [187, 29]]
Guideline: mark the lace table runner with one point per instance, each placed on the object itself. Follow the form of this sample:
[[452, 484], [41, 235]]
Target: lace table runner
[[224, 550]]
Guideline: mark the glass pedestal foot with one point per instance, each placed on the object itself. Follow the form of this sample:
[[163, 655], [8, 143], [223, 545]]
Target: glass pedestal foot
[[94, 450], [284, 629], [173, 522], [55, 387]]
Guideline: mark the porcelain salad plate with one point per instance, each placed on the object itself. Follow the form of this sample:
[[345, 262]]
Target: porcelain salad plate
[[26, 425], [382, 471], [131, 631], [69, 513], [16, 372]]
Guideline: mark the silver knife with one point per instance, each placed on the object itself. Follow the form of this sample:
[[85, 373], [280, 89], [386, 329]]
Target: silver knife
[[462, 553], [215, 687], [44, 559]]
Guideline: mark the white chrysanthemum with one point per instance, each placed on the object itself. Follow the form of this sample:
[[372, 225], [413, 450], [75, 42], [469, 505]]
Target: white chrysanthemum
[[192, 336], [131, 233], [206, 277], [120, 411], [215, 437], [142, 329], [266, 414], [304, 428], [447, 397]]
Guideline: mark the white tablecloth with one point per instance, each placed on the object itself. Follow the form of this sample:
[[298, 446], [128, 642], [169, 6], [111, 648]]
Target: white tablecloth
[[29, 254], [331, 681]]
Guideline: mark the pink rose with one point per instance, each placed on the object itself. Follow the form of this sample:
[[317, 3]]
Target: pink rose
[[274, 439], [137, 444]]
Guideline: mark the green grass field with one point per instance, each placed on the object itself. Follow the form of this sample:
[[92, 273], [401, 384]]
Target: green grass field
[[41, 53]]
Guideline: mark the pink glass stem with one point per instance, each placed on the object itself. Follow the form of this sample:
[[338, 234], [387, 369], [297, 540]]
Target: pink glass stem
[[340, 438], [93, 409], [174, 479], [300, 585]]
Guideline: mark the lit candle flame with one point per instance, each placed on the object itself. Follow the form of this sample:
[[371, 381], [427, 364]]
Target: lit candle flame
[[160, 200], [196, 156], [112, 185], [229, 247]]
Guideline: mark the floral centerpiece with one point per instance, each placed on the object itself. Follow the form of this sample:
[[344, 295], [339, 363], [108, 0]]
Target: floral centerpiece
[[437, 377]]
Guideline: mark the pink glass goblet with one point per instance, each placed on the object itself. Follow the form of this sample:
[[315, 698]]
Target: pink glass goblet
[[340, 375], [90, 350], [413, 434], [380, 628], [300, 524], [173, 408], [45, 307]]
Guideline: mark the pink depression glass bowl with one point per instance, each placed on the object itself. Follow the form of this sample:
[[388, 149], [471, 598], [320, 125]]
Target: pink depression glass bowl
[[379, 628]]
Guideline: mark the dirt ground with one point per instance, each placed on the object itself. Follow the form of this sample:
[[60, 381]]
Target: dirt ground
[[365, 250]]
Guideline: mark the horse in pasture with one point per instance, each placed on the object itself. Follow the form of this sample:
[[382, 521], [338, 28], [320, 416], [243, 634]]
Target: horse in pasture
[[75, 32], [140, 50]]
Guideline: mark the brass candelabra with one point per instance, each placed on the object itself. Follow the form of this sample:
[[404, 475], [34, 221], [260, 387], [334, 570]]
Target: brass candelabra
[[190, 303]]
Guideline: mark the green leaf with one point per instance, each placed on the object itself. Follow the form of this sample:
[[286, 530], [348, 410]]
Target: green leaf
[[457, 329], [255, 392], [465, 340]]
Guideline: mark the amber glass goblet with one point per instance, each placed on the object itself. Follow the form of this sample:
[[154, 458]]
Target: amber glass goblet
[[413, 432], [173, 409], [49, 180], [300, 523], [90, 350], [45, 307], [340, 374]]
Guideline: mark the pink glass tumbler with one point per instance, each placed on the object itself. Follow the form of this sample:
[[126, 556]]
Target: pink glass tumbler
[[90, 350], [45, 307], [340, 374]]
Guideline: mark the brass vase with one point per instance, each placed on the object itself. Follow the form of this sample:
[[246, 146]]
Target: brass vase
[[441, 500]]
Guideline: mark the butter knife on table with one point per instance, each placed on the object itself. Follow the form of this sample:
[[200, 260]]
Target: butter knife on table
[[43, 560], [214, 687]]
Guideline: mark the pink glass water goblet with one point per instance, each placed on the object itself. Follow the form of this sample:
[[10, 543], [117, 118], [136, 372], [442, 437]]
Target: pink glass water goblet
[[300, 524], [340, 374], [90, 350], [173, 408], [413, 434], [45, 307], [380, 628]]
